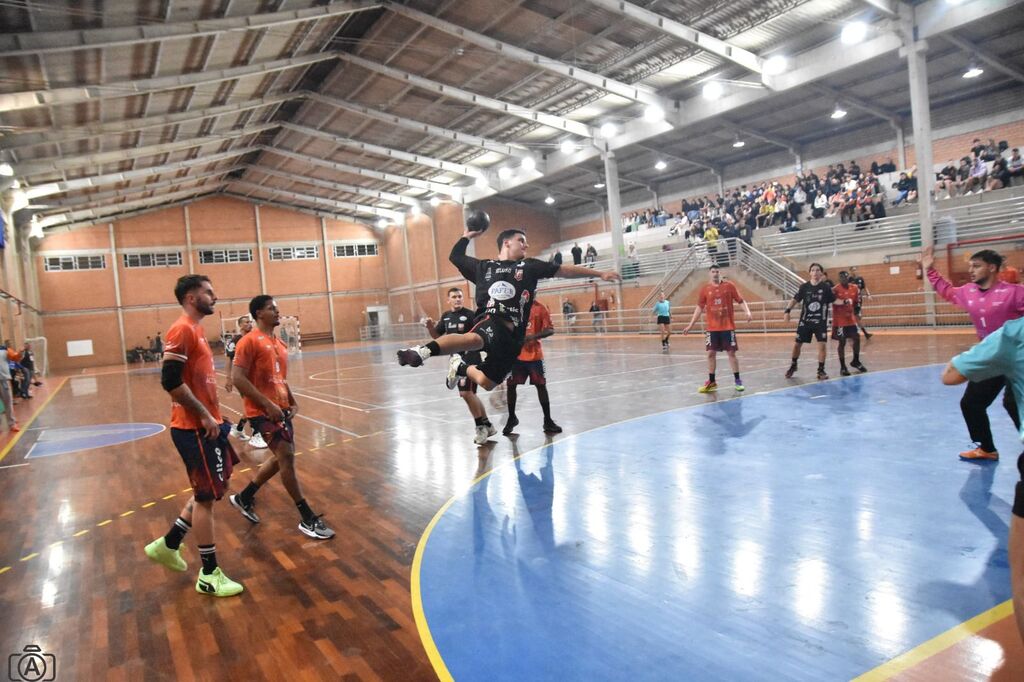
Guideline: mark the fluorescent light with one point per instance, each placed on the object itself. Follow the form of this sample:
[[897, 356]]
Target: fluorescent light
[[773, 66], [5, 169], [838, 113], [712, 90], [973, 71], [567, 147], [36, 231], [382, 223], [481, 182], [598, 185], [739, 143], [435, 201], [504, 173], [549, 200], [529, 163], [653, 113], [853, 33], [660, 165], [608, 130], [416, 210]]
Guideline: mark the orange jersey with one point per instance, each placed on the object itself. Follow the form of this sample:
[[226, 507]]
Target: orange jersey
[[186, 342], [540, 319], [842, 314], [1010, 275], [264, 361], [716, 300]]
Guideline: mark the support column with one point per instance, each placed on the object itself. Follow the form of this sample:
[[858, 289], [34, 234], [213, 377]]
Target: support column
[[901, 146], [327, 276], [408, 271], [917, 68], [721, 182], [188, 239], [117, 293], [611, 180], [259, 250]]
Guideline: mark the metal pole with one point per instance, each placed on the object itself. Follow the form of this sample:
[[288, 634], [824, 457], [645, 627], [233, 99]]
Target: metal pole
[[901, 146], [611, 179]]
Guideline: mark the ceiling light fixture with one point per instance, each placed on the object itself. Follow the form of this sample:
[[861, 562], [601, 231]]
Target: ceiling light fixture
[[435, 201], [5, 169], [549, 200], [567, 147], [528, 163], [415, 209], [853, 33], [738, 143], [504, 173], [838, 112], [598, 185], [660, 165], [481, 182], [773, 66], [654, 113], [382, 223], [973, 71], [712, 90], [608, 130]]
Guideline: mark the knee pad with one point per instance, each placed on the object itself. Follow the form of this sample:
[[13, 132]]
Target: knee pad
[[1018, 500]]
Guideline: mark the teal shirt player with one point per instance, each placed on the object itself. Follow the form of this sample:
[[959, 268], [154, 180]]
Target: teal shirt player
[[662, 308], [1001, 353]]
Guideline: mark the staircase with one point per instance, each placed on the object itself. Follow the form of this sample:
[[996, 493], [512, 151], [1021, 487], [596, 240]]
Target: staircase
[[765, 269], [696, 257]]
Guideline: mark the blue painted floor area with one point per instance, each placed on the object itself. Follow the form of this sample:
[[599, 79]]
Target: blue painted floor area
[[807, 534], [51, 442]]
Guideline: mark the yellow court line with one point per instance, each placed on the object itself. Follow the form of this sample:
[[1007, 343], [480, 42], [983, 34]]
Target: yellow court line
[[30, 556], [103, 523], [24, 427], [167, 497], [57, 544], [242, 471], [186, 490], [128, 513], [4, 569], [148, 505], [80, 533], [938, 644]]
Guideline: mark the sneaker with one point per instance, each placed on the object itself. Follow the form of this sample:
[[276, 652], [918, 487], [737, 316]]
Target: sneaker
[[15, 428], [414, 356], [257, 441], [843, 372], [239, 434], [821, 375], [977, 455], [510, 426], [708, 387], [316, 529], [739, 387], [552, 427], [791, 371], [246, 509], [454, 363], [217, 584], [859, 366], [483, 433], [159, 552], [868, 335]]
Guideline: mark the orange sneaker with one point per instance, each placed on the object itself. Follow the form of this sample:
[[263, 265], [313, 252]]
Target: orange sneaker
[[15, 428], [977, 454]]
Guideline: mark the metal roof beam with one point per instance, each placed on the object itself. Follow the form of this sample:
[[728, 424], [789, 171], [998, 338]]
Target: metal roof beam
[[67, 204], [888, 7], [393, 178], [51, 188], [88, 93], [998, 63], [337, 186], [55, 164], [685, 159], [532, 115], [108, 209], [25, 44], [858, 103], [784, 142], [418, 159], [347, 217], [64, 135], [67, 227], [333, 203], [467, 139], [680, 31], [636, 93]]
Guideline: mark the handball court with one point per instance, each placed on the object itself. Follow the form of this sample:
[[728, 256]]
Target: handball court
[[802, 530]]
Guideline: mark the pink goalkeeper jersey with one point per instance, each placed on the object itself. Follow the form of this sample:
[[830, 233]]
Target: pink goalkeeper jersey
[[989, 308]]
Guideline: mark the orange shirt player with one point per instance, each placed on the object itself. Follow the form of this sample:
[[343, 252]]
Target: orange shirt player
[[717, 298], [844, 321], [530, 365], [199, 435]]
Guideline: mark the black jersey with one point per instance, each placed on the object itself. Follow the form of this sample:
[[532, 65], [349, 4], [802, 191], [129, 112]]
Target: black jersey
[[859, 281], [815, 299], [456, 321], [229, 347], [504, 288]]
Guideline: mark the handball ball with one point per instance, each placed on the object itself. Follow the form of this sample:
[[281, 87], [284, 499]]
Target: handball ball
[[478, 221]]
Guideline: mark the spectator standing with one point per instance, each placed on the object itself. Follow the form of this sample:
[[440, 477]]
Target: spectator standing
[[577, 254]]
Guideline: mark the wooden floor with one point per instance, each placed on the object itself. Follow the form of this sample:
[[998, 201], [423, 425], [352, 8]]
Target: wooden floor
[[383, 448]]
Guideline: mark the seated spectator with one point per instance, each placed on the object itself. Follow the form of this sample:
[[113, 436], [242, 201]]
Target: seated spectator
[[999, 176], [875, 168], [977, 178], [820, 206], [836, 205], [991, 151], [946, 180], [888, 167], [1015, 165], [902, 187]]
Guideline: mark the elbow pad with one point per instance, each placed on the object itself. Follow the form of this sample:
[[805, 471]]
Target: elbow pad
[[171, 375]]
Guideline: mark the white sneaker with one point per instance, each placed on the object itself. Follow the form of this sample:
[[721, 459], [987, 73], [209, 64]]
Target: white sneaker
[[483, 434], [454, 362], [239, 434], [257, 441]]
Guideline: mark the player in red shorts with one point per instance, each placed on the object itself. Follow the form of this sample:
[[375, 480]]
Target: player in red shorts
[[261, 377], [844, 321], [199, 434], [530, 364], [717, 297]]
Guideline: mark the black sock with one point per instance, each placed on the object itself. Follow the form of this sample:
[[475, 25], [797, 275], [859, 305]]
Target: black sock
[[481, 421], [511, 396], [433, 347], [249, 492], [793, 363], [821, 366], [177, 533], [307, 513], [736, 376], [461, 370], [545, 404], [208, 553], [711, 377]]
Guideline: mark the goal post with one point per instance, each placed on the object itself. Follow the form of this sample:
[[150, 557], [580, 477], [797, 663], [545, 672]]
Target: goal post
[[42, 354]]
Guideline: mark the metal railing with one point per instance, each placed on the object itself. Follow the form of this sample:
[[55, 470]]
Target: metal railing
[[688, 261], [770, 271]]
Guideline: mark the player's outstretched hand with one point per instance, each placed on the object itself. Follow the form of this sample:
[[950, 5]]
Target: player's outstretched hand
[[472, 235], [429, 323], [610, 276], [927, 258]]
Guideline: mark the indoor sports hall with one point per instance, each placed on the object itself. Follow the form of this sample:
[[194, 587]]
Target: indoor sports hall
[[659, 518]]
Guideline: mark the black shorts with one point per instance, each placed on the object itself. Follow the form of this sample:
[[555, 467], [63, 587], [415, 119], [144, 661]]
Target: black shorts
[[856, 309], [664, 319], [848, 332], [273, 431], [720, 341], [804, 332], [529, 369], [1018, 498], [467, 385], [500, 345], [208, 462]]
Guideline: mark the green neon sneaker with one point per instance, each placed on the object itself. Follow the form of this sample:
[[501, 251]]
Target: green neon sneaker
[[159, 552], [217, 584]]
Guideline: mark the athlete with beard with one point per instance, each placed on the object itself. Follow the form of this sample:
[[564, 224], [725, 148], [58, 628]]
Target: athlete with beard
[[814, 297]]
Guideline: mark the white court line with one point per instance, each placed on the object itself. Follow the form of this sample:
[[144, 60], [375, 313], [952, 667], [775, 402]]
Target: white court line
[[302, 416], [11, 466], [329, 402]]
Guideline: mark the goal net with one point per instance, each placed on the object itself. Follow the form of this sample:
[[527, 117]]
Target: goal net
[[289, 331], [41, 353]]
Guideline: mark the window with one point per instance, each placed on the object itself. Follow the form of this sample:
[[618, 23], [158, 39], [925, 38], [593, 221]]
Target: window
[[355, 250], [208, 256], [55, 263], [294, 252], [152, 260]]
